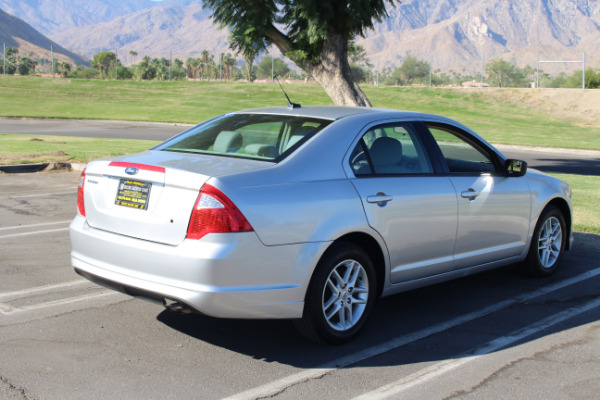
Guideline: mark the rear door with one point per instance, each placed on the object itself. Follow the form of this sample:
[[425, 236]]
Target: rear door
[[412, 208]]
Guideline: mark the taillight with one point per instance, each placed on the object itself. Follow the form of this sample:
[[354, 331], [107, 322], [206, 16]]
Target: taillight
[[80, 202], [215, 213]]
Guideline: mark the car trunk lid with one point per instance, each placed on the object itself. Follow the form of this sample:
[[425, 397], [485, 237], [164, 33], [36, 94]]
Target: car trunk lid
[[151, 196]]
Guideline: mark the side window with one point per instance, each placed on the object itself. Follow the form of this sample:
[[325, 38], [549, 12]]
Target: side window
[[461, 156], [390, 149]]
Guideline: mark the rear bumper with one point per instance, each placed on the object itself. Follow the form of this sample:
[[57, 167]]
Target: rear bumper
[[221, 275]]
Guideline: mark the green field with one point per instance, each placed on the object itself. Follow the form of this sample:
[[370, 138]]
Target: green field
[[586, 201], [193, 102], [29, 149]]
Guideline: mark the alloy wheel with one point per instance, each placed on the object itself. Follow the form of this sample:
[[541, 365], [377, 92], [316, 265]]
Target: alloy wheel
[[345, 295]]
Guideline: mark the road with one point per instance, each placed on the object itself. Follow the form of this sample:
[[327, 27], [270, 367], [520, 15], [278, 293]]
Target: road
[[582, 163], [494, 335], [91, 128]]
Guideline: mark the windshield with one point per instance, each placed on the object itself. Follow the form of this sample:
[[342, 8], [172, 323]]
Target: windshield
[[254, 136]]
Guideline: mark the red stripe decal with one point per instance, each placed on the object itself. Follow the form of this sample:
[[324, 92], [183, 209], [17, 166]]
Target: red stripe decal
[[138, 166]]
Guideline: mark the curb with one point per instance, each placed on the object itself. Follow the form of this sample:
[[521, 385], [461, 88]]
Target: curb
[[554, 150], [42, 167], [109, 121]]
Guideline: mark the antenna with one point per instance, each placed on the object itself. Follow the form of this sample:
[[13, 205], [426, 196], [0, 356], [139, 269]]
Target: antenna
[[290, 104]]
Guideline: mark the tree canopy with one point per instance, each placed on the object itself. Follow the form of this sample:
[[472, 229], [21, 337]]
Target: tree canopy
[[412, 71], [103, 61], [277, 65], [502, 73], [314, 34]]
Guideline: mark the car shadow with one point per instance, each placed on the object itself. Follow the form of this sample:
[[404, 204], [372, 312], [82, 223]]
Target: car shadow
[[411, 313]]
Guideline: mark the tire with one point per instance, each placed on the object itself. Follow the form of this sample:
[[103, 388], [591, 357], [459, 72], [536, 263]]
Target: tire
[[548, 243], [340, 295]]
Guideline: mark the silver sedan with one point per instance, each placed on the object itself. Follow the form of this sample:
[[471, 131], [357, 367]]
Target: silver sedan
[[311, 214]]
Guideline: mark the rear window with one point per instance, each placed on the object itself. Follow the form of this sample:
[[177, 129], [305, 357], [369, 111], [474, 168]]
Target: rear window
[[254, 136]]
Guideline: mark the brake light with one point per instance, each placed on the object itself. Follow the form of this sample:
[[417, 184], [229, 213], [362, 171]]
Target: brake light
[[80, 202], [215, 213]]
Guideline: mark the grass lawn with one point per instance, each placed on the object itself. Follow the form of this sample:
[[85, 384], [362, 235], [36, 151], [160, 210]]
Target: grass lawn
[[29, 149], [185, 102], [193, 102], [586, 201]]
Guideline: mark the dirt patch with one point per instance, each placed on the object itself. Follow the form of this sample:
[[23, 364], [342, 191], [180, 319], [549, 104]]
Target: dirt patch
[[576, 105], [34, 158]]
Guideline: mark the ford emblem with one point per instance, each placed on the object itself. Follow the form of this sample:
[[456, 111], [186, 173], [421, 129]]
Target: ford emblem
[[131, 170]]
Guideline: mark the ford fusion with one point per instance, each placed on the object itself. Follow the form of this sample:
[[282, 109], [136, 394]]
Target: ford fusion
[[311, 214]]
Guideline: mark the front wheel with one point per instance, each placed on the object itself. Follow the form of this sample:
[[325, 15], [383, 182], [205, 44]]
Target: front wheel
[[340, 295], [548, 243]]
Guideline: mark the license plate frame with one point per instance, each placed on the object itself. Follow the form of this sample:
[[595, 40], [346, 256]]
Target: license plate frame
[[133, 194]]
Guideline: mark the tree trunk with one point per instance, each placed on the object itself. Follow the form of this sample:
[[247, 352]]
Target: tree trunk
[[335, 76], [332, 72], [249, 61]]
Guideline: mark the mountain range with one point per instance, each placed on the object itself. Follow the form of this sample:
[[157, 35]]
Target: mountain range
[[452, 34], [14, 32]]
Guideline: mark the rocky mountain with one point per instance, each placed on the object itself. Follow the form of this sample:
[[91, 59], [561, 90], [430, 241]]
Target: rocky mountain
[[17, 33], [452, 34], [54, 16], [459, 33], [161, 31]]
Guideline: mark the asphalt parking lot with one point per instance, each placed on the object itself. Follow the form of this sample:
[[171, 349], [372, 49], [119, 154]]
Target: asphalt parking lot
[[495, 335]]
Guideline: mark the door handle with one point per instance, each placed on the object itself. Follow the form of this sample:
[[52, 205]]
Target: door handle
[[381, 199], [470, 194]]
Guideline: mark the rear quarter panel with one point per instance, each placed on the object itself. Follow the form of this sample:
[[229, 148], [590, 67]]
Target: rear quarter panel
[[305, 198]]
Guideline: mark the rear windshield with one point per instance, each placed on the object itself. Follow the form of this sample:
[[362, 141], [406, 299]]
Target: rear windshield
[[254, 136]]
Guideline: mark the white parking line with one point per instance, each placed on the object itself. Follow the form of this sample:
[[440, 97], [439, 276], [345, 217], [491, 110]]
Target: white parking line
[[11, 315], [68, 287], [34, 225], [440, 368], [17, 294], [51, 300], [40, 192], [33, 233], [19, 196], [275, 387], [6, 309]]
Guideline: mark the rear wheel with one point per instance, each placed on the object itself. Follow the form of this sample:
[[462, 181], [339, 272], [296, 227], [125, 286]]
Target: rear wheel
[[340, 295], [548, 243]]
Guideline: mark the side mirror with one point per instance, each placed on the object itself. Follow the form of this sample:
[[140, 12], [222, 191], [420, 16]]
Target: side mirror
[[516, 168]]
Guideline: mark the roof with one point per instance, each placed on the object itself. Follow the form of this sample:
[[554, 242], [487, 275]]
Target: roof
[[323, 112]]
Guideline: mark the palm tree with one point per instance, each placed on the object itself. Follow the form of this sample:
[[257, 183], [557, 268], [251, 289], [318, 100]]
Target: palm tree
[[249, 60], [229, 63], [197, 68], [146, 70], [207, 62], [134, 54], [190, 63], [63, 69]]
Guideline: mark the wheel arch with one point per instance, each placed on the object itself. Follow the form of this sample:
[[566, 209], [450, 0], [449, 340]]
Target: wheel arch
[[564, 208], [373, 249]]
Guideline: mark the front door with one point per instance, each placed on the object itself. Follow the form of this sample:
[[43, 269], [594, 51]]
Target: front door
[[493, 209]]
